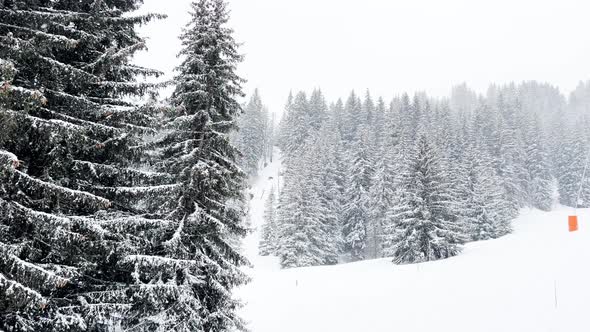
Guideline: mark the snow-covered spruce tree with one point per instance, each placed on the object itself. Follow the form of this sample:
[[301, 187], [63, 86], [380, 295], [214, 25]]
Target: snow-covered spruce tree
[[415, 116], [381, 196], [282, 136], [367, 121], [307, 221], [422, 223], [579, 100], [367, 110], [250, 139], [300, 228], [510, 155], [483, 207], [570, 164], [66, 129], [182, 275], [269, 238], [356, 214], [463, 100], [317, 109], [556, 131], [295, 127], [386, 151], [209, 212], [351, 118], [379, 126], [443, 125], [337, 115], [539, 181], [323, 161], [406, 130]]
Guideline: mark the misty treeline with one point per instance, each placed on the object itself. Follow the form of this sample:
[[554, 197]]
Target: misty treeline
[[255, 135], [417, 177], [117, 215]]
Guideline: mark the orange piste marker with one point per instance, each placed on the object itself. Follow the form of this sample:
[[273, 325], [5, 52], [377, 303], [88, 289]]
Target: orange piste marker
[[573, 223]]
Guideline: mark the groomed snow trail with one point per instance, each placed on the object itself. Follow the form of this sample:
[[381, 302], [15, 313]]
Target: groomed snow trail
[[536, 279], [266, 181]]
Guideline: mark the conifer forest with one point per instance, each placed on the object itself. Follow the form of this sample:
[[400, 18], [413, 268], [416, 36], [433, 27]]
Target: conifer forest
[[136, 201]]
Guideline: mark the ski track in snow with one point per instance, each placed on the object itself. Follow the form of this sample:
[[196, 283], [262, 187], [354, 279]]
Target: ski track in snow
[[261, 186], [534, 280]]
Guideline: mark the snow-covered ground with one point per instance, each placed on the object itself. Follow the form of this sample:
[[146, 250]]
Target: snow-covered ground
[[536, 279], [267, 180]]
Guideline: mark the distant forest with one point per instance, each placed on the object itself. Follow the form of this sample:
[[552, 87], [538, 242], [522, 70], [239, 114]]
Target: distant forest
[[416, 177]]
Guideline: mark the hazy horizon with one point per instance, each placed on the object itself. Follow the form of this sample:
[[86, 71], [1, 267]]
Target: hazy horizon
[[392, 48]]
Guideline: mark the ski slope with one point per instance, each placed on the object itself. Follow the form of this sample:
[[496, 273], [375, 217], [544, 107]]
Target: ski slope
[[536, 279]]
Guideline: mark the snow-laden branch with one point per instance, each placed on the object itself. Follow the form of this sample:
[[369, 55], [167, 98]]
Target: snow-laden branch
[[57, 38], [8, 160], [77, 195], [15, 289]]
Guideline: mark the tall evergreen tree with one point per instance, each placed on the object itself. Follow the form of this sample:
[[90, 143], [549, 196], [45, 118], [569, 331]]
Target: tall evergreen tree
[[421, 226], [463, 100], [337, 114], [368, 110], [539, 181], [317, 109], [300, 227], [356, 214], [381, 196], [285, 124], [510, 155], [68, 130], [351, 118], [326, 171], [269, 236], [579, 100], [183, 278], [483, 207], [379, 126], [296, 127], [572, 167], [251, 137]]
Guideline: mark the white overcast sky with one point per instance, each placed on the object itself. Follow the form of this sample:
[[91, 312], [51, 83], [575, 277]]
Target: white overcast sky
[[391, 46]]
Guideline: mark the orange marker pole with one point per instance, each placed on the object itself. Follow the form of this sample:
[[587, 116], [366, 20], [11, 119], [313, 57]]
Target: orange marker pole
[[573, 223]]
